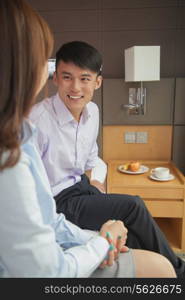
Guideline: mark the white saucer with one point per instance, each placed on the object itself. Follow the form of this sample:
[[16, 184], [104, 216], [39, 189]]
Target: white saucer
[[170, 177], [142, 169]]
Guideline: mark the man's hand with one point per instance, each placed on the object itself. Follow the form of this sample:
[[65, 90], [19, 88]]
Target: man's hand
[[100, 186]]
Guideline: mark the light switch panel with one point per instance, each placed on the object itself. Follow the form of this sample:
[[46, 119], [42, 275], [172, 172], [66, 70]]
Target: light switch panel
[[129, 137], [142, 137]]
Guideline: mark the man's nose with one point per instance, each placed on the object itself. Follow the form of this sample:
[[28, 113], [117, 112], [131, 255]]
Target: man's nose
[[75, 85]]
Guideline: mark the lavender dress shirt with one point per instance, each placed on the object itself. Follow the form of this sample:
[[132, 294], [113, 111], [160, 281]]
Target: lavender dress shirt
[[67, 148]]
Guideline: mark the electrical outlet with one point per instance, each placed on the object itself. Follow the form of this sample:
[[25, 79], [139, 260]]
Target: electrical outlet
[[129, 137], [142, 137]]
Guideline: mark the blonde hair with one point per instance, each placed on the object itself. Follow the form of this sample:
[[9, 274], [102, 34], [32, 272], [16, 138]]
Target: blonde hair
[[26, 44]]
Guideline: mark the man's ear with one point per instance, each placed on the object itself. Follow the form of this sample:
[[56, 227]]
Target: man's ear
[[55, 81], [99, 80]]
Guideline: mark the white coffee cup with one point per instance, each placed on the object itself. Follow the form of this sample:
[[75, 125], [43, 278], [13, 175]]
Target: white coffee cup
[[161, 172]]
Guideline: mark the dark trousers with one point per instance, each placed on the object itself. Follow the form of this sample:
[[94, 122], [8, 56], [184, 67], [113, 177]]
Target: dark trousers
[[85, 206]]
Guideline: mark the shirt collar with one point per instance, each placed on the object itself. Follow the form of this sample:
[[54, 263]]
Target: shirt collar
[[62, 113], [86, 114]]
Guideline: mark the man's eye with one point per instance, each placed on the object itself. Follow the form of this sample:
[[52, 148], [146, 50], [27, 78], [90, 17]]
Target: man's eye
[[85, 79], [66, 77]]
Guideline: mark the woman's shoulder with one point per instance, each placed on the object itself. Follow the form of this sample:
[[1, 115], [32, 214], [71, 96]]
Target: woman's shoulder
[[15, 173], [17, 185]]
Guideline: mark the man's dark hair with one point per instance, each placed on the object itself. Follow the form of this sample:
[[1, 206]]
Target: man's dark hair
[[80, 54]]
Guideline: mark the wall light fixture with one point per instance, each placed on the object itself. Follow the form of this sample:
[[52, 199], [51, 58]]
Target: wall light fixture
[[142, 63]]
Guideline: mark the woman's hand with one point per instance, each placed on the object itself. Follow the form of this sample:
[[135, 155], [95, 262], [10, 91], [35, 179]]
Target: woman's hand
[[116, 234]]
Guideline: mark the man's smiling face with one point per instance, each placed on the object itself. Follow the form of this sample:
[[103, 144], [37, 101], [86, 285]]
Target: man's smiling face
[[75, 86]]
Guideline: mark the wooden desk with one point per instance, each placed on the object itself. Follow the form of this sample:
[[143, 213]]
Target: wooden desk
[[165, 200]]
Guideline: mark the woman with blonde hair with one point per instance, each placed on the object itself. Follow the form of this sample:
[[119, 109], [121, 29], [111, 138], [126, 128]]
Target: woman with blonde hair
[[35, 240]]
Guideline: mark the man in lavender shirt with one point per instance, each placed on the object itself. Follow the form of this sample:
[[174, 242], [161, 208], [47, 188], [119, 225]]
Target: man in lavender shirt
[[68, 125]]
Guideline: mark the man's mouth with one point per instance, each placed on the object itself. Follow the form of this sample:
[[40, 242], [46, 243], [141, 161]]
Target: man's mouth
[[75, 97]]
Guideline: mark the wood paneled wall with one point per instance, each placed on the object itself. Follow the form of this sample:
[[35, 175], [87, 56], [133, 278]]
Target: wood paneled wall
[[159, 102], [114, 25], [157, 148]]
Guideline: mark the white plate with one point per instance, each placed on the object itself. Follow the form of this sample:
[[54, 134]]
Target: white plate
[[171, 177], [142, 169]]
